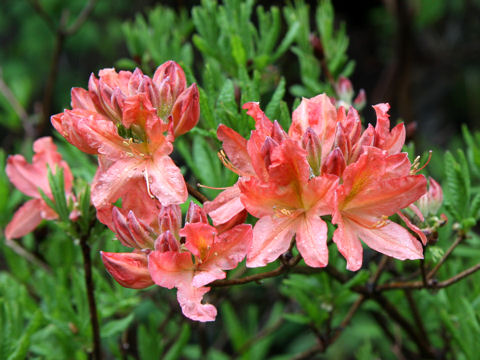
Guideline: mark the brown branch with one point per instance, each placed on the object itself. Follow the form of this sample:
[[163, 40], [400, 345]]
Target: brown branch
[[431, 283], [81, 18], [461, 236], [307, 354], [27, 255], [392, 311], [416, 315], [196, 194], [43, 14], [87, 267], [257, 277]]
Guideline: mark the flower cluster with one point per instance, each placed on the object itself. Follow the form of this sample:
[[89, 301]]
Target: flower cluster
[[170, 256], [326, 168], [130, 121], [326, 165]]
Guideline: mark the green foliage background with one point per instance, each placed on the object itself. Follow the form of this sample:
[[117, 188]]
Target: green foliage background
[[239, 51]]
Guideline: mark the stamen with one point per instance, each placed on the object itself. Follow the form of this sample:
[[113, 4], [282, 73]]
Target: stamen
[[381, 223], [228, 164], [148, 184], [416, 164], [211, 187], [280, 212]]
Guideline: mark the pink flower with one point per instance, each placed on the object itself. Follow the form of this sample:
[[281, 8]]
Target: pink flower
[[375, 187], [166, 255], [326, 165], [201, 260], [130, 121], [28, 178]]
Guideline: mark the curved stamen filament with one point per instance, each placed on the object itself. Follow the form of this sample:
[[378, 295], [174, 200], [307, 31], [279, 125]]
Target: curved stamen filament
[[416, 164], [228, 164]]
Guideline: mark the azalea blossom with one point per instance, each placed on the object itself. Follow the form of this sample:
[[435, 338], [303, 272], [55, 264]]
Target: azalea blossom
[[327, 164], [130, 121], [165, 254], [29, 178]]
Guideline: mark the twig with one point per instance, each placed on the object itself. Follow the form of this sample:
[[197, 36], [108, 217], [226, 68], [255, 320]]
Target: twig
[[423, 272], [27, 255], [431, 284], [81, 18], [279, 270], [196, 194], [416, 315], [307, 354], [87, 267], [461, 236], [392, 311], [17, 107]]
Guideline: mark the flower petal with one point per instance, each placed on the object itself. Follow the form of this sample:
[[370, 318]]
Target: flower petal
[[166, 181], [25, 219], [190, 300], [311, 240], [392, 240], [235, 147], [271, 238], [348, 243], [171, 268], [225, 206]]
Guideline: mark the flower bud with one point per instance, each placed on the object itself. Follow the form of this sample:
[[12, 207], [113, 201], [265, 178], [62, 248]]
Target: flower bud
[[140, 232], [431, 201], [195, 214], [344, 89], [334, 163], [120, 228], [166, 242], [266, 150], [129, 269], [360, 100], [186, 111], [278, 134], [311, 143], [170, 219], [171, 76]]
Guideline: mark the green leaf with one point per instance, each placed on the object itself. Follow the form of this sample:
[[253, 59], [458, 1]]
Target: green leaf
[[176, 350], [115, 327], [273, 108], [233, 326]]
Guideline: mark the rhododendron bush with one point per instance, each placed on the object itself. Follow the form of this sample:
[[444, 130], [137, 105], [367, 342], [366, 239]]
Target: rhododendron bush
[[182, 180]]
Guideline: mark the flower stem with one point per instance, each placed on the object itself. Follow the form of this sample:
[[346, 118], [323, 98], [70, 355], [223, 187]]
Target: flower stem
[[87, 267]]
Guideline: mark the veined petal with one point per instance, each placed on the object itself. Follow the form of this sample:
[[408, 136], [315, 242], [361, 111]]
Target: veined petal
[[289, 164], [112, 182], [261, 121], [199, 239], [311, 240], [231, 247], [25, 219], [235, 147], [166, 181], [391, 239], [318, 113], [225, 206], [129, 269], [348, 243], [81, 99], [271, 238], [171, 268], [190, 299], [91, 133]]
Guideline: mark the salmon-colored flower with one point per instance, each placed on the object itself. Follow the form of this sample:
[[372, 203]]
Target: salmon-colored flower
[[169, 256], [375, 187], [130, 121], [29, 178], [200, 260]]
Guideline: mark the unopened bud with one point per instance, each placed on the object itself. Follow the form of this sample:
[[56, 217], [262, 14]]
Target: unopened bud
[[334, 163], [141, 233], [311, 143], [120, 228], [278, 134], [361, 100], [170, 219], [186, 111], [266, 150], [344, 90], [170, 82], [166, 242], [430, 202], [129, 269], [195, 214]]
